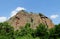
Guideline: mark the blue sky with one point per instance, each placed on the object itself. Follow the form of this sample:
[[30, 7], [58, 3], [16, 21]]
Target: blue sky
[[50, 8]]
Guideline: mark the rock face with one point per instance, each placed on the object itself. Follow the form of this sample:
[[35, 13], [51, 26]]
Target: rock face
[[23, 17]]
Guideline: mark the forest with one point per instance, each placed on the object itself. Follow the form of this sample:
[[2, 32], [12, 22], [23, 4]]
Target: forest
[[41, 32]]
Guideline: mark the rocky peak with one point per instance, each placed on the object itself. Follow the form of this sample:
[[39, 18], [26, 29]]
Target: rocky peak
[[23, 17]]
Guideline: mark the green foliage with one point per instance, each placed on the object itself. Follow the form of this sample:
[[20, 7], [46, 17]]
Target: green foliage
[[27, 25], [57, 28], [52, 33], [6, 30], [25, 30], [41, 28], [41, 32], [55, 32]]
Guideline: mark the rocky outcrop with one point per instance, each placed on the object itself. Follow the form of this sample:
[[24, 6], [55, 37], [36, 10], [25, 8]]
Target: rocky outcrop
[[23, 17]]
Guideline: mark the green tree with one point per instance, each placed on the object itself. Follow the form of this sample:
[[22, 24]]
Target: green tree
[[41, 31], [52, 33], [6, 30], [57, 30], [26, 30]]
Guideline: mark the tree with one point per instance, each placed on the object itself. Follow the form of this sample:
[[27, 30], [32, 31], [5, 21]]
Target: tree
[[6, 30], [26, 30], [41, 31], [57, 30], [52, 33]]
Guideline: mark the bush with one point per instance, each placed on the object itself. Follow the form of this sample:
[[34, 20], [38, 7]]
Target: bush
[[41, 32], [6, 30]]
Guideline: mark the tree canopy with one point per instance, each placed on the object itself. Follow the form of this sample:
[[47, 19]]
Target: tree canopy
[[41, 32]]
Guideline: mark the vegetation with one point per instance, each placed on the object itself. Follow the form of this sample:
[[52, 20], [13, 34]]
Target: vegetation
[[41, 32]]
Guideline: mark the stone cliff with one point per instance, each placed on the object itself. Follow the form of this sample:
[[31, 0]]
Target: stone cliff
[[23, 17]]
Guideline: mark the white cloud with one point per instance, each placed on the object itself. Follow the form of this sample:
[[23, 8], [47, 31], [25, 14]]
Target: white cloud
[[16, 10], [20, 8], [54, 16], [2, 19]]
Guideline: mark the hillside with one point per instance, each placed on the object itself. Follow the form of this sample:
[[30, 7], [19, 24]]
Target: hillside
[[27, 25], [23, 17]]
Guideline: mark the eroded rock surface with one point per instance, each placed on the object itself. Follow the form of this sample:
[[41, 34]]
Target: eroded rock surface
[[23, 17]]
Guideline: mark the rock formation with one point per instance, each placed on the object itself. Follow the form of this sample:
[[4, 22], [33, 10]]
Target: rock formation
[[23, 17]]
